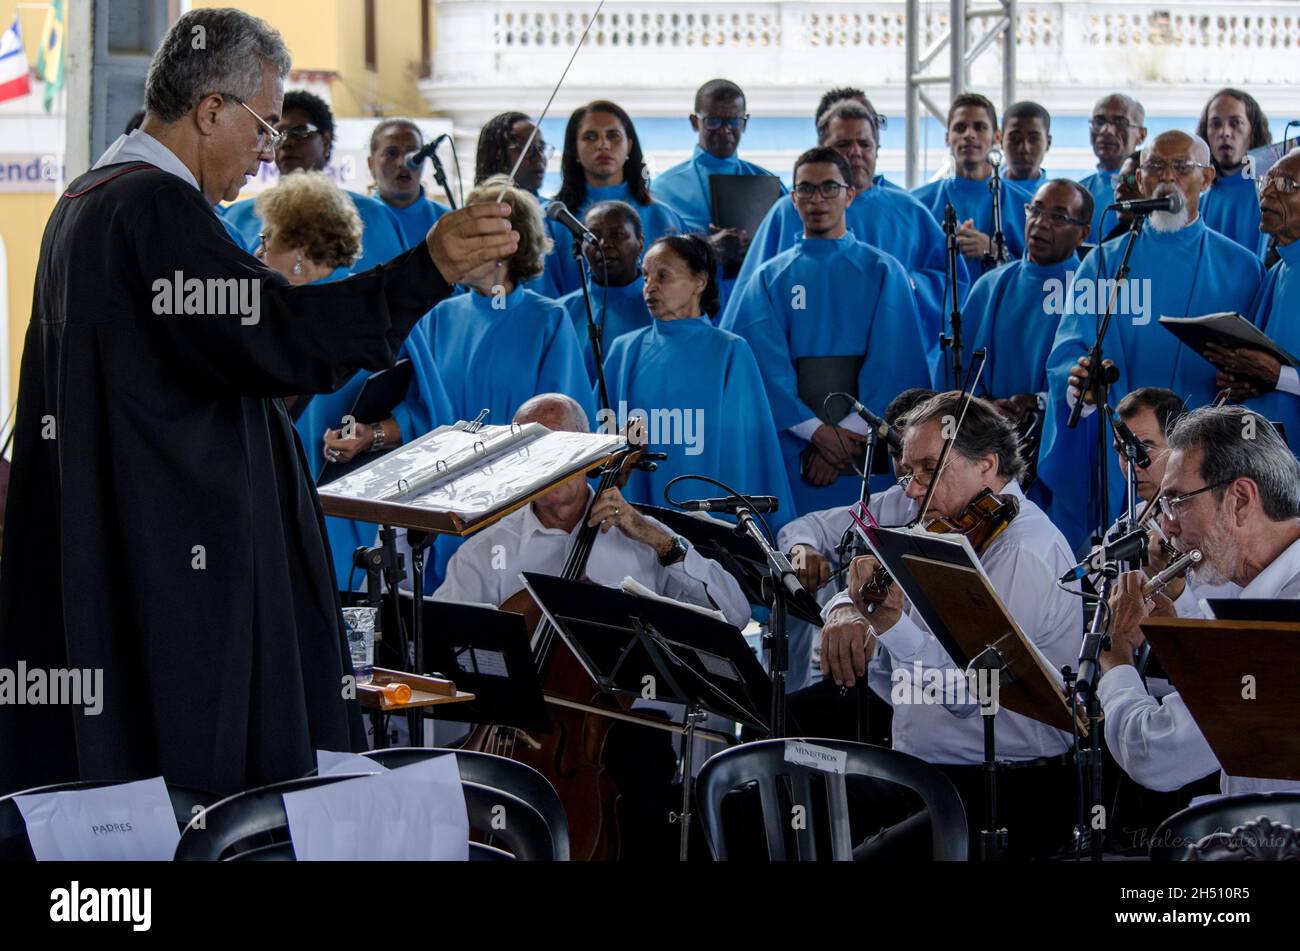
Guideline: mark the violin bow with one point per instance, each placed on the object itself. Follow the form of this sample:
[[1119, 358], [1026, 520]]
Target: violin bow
[[547, 108], [980, 356]]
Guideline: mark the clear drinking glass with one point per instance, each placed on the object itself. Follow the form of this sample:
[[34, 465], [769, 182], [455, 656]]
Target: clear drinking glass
[[360, 623]]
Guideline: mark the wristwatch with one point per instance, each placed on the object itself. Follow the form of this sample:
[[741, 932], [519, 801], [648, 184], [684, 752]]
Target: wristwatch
[[378, 437], [675, 553]]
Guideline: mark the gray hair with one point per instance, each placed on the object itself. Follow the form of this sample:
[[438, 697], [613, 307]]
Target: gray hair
[[1139, 111], [544, 404], [847, 109], [1234, 448], [983, 430], [211, 50], [1200, 151]]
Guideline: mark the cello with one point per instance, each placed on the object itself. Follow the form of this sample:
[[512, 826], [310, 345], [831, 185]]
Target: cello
[[571, 753]]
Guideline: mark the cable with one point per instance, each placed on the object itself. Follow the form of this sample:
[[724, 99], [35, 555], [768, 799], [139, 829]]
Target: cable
[[725, 488]]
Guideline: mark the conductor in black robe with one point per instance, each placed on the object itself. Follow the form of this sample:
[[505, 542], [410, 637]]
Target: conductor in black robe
[[161, 524]]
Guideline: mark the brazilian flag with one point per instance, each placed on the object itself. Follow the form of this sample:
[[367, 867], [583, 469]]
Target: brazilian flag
[[49, 59]]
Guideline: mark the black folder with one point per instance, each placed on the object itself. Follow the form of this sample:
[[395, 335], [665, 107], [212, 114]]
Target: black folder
[[742, 201], [380, 393]]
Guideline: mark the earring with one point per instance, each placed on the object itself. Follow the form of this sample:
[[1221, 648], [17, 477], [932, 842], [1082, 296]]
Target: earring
[[297, 265]]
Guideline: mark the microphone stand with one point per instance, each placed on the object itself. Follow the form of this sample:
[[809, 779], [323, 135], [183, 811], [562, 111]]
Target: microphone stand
[[777, 638], [593, 332], [1100, 379], [998, 252], [440, 176], [954, 317]]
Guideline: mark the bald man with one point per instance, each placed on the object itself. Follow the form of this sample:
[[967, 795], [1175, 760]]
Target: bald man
[[1116, 129], [486, 569], [1179, 268]]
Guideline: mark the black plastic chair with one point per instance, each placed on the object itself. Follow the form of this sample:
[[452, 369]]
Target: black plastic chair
[[253, 826], [15, 846], [763, 764], [1250, 827], [499, 772]]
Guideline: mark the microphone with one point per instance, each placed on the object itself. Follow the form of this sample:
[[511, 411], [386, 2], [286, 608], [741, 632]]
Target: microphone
[[1172, 203], [886, 432], [1141, 458], [558, 212], [415, 160], [1125, 548], [732, 503], [994, 158]]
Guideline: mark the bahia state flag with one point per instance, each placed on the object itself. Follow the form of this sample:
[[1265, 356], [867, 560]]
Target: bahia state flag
[[49, 58], [13, 64]]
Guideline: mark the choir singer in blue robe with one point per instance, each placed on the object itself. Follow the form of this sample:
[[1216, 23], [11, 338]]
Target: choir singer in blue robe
[[972, 134], [397, 186], [1179, 268], [1027, 136], [603, 161], [881, 215], [719, 122], [1010, 310], [1268, 387], [1116, 129], [307, 127], [617, 304], [697, 388], [1232, 123], [828, 296]]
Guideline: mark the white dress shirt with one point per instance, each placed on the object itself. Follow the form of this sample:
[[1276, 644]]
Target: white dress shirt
[[1159, 743], [1023, 564], [822, 532], [486, 569], [142, 147]]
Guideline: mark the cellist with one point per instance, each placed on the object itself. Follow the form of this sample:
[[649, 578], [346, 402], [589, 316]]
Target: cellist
[[884, 642]]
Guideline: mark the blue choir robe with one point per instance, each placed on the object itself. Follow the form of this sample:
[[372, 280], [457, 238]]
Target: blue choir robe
[[231, 230], [1277, 313], [1186, 273], [824, 298], [1099, 185], [972, 199], [550, 282], [702, 392], [886, 217], [415, 220], [1231, 207], [685, 187], [381, 236], [657, 220], [493, 358], [617, 311], [1030, 185], [1006, 314]]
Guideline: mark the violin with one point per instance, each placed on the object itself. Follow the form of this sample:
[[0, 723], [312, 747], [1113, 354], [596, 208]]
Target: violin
[[983, 519]]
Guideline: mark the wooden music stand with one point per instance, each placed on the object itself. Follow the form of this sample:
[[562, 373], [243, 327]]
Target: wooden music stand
[[1209, 661]]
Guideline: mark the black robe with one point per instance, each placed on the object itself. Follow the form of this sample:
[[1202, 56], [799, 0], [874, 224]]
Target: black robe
[[223, 666]]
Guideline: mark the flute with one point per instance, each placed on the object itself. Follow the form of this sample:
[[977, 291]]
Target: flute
[[1175, 569]]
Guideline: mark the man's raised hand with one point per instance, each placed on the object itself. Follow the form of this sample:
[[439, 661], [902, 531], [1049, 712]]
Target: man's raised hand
[[464, 240]]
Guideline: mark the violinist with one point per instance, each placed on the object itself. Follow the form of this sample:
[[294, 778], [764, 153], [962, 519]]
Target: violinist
[[884, 642]]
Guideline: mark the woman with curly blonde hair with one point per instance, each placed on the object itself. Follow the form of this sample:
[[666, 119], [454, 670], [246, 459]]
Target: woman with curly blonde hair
[[311, 232], [490, 349]]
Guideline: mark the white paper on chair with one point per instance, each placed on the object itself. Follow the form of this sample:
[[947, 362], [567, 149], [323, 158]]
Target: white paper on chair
[[124, 822], [329, 763], [415, 813]]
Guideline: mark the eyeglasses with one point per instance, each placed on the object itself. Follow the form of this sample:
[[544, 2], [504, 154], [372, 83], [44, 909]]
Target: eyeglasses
[[542, 149], [263, 243], [1120, 124], [714, 123], [1282, 183], [300, 132], [1169, 505], [922, 479], [1038, 211], [268, 138], [828, 189], [1180, 167]]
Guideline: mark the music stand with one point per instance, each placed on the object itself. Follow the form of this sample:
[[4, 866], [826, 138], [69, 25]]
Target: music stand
[[1238, 681], [629, 644], [942, 577], [739, 555]]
